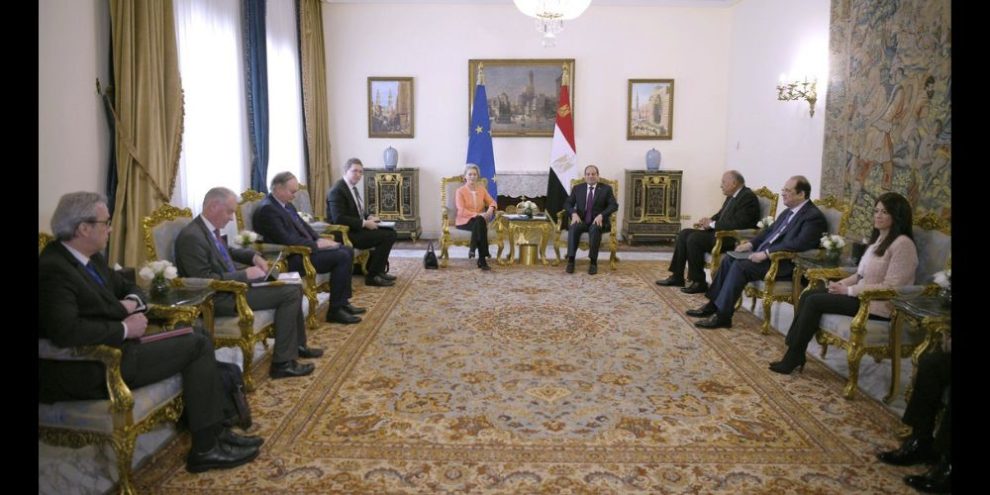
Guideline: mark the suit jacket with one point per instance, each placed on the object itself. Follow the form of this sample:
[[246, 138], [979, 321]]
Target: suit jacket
[[196, 255], [276, 224], [604, 204], [342, 208], [741, 213], [75, 310], [804, 231], [466, 209]]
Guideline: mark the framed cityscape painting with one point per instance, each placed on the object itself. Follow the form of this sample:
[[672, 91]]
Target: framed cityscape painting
[[390, 107], [522, 94], [651, 109]]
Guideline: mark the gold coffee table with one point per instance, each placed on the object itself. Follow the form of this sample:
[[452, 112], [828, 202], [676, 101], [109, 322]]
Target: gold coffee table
[[537, 231]]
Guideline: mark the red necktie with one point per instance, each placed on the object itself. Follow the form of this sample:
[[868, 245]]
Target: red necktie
[[588, 203]]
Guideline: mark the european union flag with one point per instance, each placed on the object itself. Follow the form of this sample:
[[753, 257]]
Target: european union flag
[[480, 150]]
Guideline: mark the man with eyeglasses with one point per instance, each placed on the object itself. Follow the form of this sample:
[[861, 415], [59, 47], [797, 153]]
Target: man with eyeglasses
[[798, 228], [81, 301], [277, 220]]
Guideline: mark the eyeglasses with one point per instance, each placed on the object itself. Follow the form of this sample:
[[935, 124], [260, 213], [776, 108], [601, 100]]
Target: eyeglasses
[[107, 221]]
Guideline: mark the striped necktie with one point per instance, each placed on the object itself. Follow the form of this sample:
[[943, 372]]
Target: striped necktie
[[223, 250]]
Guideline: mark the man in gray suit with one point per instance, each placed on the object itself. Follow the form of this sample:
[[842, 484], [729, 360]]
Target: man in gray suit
[[201, 252]]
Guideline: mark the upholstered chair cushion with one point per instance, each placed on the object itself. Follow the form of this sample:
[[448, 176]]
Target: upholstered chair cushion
[[934, 249], [877, 331], [165, 234], [227, 326]]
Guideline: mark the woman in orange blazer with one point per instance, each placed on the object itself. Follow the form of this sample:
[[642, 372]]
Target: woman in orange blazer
[[475, 208]]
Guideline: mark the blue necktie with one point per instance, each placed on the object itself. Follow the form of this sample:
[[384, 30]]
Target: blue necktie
[[223, 250], [93, 273], [778, 228], [297, 221]]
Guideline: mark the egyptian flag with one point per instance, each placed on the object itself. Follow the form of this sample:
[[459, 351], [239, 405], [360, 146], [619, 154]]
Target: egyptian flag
[[563, 154]]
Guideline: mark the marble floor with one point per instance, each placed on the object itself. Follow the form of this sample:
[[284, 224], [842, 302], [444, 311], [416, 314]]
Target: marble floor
[[88, 470]]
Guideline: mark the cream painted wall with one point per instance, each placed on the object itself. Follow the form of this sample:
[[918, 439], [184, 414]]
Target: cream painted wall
[[73, 135], [433, 43], [770, 140]]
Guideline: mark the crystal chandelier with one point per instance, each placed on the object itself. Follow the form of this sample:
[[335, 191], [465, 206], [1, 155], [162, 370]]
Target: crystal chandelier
[[551, 14]]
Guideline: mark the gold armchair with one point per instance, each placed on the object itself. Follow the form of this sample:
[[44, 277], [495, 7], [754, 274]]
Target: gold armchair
[[859, 336], [450, 235], [243, 331], [116, 421], [311, 280], [768, 208], [772, 290], [611, 236]]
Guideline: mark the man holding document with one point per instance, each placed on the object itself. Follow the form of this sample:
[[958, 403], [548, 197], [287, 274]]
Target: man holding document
[[345, 206], [81, 301], [277, 220], [201, 252]]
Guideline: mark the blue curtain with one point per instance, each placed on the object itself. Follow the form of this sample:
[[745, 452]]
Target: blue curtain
[[256, 59]]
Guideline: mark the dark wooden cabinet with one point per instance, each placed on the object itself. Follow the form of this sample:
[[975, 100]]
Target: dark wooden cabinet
[[393, 195], [652, 205]]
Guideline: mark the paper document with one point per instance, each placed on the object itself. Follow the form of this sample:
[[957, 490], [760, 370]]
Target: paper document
[[285, 278], [386, 224], [165, 335], [739, 255]]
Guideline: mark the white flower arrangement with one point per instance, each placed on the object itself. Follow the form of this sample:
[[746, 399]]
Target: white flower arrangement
[[158, 269], [944, 279], [306, 217], [526, 205], [832, 242], [765, 223], [245, 238]]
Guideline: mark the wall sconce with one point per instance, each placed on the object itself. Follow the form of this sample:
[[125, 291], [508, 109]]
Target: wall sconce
[[798, 90]]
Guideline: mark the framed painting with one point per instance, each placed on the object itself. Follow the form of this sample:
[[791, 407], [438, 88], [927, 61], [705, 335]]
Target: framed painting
[[390, 107], [651, 109], [522, 94]]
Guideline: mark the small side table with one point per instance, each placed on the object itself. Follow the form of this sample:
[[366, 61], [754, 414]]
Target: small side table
[[182, 305], [822, 267], [516, 227], [933, 316]]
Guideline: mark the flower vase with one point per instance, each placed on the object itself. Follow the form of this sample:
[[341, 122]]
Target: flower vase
[[832, 255], [159, 286], [528, 212]]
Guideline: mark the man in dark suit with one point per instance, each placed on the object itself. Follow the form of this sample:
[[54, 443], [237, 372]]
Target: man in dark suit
[[741, 210], [593, 219], [798, 228], [201, 252], [277, 220], [82, 302], [928, 443], [345, 206]]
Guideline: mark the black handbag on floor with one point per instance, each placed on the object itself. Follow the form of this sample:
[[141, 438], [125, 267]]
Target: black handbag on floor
[[235, 405], [430, 258]]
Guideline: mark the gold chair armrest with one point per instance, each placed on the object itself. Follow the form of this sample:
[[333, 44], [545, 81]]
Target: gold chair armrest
[[775, 259], [828, 274], [343, 229], [121, 399], [738, 234]]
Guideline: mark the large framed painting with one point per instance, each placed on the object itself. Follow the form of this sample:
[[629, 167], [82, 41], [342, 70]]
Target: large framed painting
[[651, 109], [390, 107], [522, 94]]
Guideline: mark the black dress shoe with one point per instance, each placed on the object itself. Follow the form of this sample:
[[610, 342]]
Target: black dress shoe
[[483, 264], [707, 310], [340, 315], [354, 310], [570, 267], [592, 269], [230, 438], [714, 321], [695, 288], [310, 352], [938, 479], [378, 281], [388, 277], [221, 456], [786, 366], [471, 254], [672, 281], [289, 369], [913, 451]]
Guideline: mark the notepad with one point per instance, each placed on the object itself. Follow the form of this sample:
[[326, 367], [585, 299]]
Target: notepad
[[386, 224], [739, 255], [155, 337]]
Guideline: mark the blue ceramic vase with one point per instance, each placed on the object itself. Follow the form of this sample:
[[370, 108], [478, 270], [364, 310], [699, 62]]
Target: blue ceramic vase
[[653, 160], [391, 158]]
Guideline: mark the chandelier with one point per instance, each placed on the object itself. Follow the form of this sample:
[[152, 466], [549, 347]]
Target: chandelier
[[551, 14]]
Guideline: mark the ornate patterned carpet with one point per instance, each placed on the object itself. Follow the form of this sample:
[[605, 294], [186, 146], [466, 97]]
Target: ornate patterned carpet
[[527, 380]]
